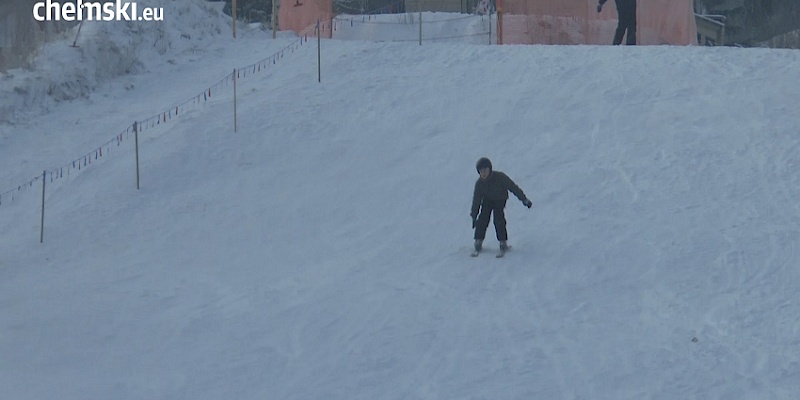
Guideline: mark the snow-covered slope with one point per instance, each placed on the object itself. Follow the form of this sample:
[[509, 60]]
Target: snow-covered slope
[[321, 252]]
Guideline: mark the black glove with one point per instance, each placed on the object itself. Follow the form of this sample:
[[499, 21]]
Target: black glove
[[599, 8], [527, 203], [473, 222]]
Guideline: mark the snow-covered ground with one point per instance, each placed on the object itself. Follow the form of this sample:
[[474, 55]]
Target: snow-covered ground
[[322, 251]]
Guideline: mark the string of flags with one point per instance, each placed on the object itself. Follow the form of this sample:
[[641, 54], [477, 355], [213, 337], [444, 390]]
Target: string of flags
[[85, 161], [77, 164], [206, 95], [388, 8]]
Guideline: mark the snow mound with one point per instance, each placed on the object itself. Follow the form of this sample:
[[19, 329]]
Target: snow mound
[[106, 50]]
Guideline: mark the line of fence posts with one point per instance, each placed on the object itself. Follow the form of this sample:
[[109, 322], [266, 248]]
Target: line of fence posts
[[499, 23], [136, 127]]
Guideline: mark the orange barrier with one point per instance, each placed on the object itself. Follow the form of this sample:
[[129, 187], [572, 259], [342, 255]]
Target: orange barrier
[[658, 22], [301, 16]]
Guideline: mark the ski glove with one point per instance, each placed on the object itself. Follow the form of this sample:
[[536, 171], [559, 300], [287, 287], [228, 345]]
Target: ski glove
[[473, 222], [599, 8], [527, 203]]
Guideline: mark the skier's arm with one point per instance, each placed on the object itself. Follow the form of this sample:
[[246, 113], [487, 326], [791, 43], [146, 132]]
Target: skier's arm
[[477, 196], [513, 188]]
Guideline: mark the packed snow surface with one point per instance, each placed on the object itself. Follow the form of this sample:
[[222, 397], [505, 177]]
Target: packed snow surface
[[321, 251]]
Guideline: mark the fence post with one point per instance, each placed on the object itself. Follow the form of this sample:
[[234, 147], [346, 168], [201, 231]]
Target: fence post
[[41, 230], [233, 16], [234, 100], [499, 25], [136, 139], [274, 16], [75, 42], [419, 5]]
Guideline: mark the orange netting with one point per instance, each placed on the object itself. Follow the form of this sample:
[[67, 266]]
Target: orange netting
[[301, 16], [578, 22]]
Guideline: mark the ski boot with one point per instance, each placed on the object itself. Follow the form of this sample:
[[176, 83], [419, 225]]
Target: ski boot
[[478, 247]]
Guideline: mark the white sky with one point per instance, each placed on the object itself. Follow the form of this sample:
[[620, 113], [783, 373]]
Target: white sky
[[322, 251]]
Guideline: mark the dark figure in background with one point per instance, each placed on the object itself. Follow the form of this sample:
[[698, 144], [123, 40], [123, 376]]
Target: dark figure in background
[[626, 10]]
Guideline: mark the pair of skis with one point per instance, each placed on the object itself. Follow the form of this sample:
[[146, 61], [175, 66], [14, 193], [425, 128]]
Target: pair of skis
[[501, 254]]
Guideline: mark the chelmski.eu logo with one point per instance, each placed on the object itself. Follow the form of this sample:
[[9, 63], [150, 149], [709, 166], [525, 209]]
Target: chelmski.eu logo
[[94, 11]]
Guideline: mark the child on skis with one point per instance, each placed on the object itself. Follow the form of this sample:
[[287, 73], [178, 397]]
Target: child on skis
[[491, 193]]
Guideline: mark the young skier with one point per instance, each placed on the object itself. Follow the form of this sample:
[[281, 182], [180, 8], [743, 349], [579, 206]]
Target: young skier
[[491, 193]]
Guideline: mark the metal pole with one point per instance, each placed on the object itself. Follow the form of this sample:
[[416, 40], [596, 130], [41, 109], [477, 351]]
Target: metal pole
[[136, 139], [319, 53], [234, 100], [274, 16], [41, 231], [74, 44]]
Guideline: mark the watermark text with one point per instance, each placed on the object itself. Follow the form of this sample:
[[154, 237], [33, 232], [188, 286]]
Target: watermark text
[[94, 11]]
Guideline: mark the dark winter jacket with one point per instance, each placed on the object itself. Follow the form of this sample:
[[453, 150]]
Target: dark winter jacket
[[494, 188], [623, 5]]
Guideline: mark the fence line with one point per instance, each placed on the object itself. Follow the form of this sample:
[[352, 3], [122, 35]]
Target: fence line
[[85, 160], [378, 10], [367, 20], [408, 19], [441, 38]]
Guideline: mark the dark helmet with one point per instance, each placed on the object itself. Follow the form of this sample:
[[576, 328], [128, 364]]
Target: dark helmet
[[483, 163]]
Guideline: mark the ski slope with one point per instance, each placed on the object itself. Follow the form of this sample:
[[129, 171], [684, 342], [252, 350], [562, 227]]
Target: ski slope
[[322, 250]]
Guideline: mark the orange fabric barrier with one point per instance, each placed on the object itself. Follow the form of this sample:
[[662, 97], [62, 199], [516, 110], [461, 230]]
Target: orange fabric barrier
[[301, 16], [578, 22]]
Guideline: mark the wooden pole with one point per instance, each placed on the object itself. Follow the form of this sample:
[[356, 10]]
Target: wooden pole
[[499, 25], [234, 100], [274, 17], [233, 15], [41, 230], [136, 139]]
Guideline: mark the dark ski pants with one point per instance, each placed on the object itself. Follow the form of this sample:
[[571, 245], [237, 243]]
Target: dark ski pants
[[627, 21], [487, 208]]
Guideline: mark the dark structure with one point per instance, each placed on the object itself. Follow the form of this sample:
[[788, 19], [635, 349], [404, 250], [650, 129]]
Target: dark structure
[[751, 22]]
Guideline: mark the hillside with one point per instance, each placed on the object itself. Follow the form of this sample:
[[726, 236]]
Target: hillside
[[322, 250]]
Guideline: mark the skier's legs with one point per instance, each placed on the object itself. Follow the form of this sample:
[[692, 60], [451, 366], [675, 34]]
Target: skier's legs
[[631, 35], [482, 222], [627, 22], [619, 34], [500, 222]]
